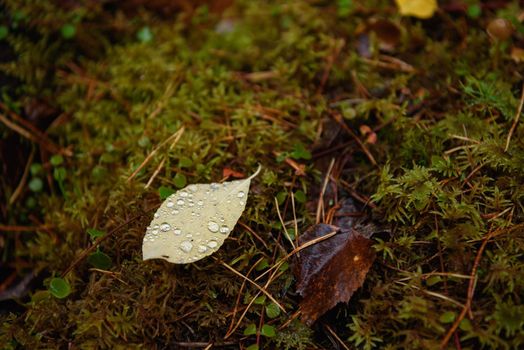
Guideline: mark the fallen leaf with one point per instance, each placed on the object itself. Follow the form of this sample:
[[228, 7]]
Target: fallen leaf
[[330, 271], [193, 222], [228, 172], [417, 8]]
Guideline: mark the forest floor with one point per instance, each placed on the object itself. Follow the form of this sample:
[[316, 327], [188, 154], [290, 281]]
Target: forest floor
[[403, 129]]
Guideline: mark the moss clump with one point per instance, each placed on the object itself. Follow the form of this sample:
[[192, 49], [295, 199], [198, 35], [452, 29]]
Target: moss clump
[[252, 85]]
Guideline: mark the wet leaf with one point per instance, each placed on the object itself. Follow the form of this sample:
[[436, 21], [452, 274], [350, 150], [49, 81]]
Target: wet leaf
[[193, 222], [417, 8], [330, 271]]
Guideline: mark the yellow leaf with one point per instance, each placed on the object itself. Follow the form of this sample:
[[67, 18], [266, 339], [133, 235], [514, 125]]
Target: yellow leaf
[[417, 8]]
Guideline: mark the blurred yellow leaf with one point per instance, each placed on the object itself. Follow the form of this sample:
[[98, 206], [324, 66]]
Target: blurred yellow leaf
[[417, 8]]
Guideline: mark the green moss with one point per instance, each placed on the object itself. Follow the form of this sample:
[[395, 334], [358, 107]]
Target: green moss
[[246, 88]]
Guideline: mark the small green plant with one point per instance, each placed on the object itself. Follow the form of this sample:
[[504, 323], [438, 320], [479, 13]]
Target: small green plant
[[59, 287]]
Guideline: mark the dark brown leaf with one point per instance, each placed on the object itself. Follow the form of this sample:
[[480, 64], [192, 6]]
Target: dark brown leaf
[[330, 271]]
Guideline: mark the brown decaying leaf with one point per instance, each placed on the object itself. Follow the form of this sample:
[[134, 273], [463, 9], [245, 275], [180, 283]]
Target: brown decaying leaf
[[330, 271]]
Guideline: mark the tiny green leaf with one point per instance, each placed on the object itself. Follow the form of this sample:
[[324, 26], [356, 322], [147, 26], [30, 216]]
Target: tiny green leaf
[[180, 180], [165, 192], [447, 317], [250, 329], [36, 169], [100, 260], [144, 141], [56, 160], [94, 233], [185, 162], [59, 174], [268, 331], [344, 7], [433, 280], [284, 267], [4, 31], [281, 197], [68, 31], [300, 152], [36, 184], [260, 300], [59, 287], [474, 11], [272, 310], [144, 35], [300, 196], [465, 325], [262, 265]]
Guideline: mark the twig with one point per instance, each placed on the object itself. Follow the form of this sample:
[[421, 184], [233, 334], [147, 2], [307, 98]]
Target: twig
[[471, 291], [362, 146], [23, 180], [31, 133], [155, 173], [336, 337], [320, 205], [235, 309], [329, 65], [228, 334], [516, 120], [295, 222], [255, 284], [9, 228], [175, 137], [283, 224], [250, 230]]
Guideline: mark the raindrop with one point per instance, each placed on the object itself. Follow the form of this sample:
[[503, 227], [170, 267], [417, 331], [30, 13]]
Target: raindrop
[[214, 186], [155, 232], [213, 226], [192, 188], [212, 244], [186, 246], [177, 231], [202, 248], [191, 204], [241, 194], [174, 212], [156, 215], [180, 202], [189, 235], [183, 194], [224, 229], [170, 204], [242, 202], [164, 227], [200, 202]]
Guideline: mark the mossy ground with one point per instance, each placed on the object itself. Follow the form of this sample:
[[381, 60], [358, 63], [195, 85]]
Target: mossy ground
[[249, 84]]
